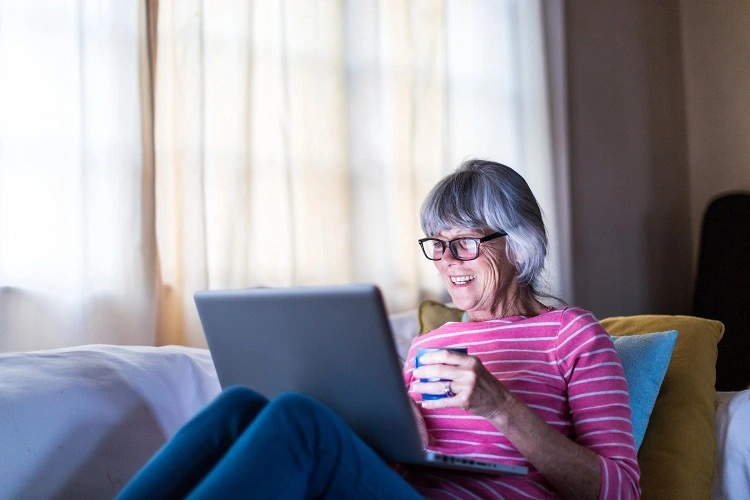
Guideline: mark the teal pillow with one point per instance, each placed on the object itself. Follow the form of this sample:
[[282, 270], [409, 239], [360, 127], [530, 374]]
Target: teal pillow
[[645, 359]]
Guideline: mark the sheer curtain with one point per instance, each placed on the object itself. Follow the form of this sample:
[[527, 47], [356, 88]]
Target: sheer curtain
[[77, 241], [293, 142], [296, 140]]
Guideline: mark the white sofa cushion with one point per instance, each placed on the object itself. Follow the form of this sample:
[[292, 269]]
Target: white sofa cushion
[[79, 422]]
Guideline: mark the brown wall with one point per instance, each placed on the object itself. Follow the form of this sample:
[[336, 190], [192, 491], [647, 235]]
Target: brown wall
[[716, 55], [628, 157], [659, 116]]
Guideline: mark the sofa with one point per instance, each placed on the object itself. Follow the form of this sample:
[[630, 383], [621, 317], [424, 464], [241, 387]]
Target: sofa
[[79, 422]]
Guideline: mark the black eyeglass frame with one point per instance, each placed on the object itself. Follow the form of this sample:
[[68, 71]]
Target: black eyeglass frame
[[449, 244]]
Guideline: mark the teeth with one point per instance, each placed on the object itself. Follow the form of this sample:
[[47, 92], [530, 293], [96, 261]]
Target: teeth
[[462, 280]]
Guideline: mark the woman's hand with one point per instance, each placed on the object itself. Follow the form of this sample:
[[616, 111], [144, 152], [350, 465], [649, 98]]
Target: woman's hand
[[475, 389]]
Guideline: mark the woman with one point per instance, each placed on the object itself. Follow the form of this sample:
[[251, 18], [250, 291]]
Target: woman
[[540, 387], [545, 385]]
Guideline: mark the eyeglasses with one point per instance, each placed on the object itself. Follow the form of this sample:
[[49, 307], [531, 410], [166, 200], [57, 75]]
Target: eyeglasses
[[461, 248]]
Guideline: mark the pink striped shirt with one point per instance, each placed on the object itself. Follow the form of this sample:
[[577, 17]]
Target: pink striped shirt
[[562, 364]]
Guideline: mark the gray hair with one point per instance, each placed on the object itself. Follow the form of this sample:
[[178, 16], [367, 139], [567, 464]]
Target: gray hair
[[483, 194]]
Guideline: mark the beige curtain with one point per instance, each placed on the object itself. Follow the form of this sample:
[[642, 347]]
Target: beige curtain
[[295, 140], [77, 238], [278, 143]]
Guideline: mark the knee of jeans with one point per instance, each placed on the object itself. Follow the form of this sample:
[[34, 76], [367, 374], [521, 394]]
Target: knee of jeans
[[306, 420], [297, 402], [238, 396], [299, 408]]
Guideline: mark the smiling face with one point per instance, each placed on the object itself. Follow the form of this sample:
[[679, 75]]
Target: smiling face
[[485, 286]]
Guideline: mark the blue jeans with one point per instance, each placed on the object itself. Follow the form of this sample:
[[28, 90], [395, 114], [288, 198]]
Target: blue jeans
[[243, 446]]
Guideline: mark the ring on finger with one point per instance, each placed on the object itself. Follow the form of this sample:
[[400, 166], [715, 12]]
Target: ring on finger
[[447, 392]]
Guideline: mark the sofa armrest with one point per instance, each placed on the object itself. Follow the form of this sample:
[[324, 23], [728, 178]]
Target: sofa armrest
[[80, 422]]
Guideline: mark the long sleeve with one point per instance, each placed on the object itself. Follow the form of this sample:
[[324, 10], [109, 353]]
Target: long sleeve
[[599, 401]]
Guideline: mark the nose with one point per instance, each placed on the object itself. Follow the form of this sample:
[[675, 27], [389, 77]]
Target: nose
[[448, 254]]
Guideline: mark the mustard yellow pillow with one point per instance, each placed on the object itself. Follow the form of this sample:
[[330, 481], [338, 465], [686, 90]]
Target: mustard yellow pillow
[[433, 314], [678, 452]]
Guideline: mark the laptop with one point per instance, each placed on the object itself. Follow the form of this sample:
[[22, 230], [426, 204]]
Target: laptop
[[333, 343]]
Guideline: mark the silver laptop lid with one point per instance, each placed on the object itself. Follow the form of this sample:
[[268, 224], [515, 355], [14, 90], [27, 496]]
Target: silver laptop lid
[[333, 343]]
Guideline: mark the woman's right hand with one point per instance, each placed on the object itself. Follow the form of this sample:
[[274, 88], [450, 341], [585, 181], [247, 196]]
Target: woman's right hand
[[474, 388]]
